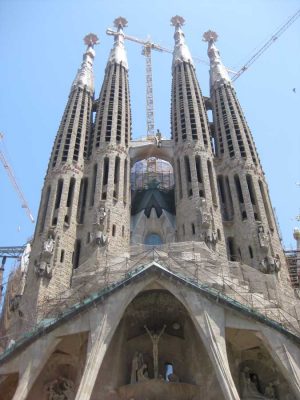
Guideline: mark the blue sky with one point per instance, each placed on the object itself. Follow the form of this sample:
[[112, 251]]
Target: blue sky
[[41, 47]]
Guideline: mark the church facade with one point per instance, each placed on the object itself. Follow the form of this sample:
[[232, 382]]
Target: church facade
[[156, 269]]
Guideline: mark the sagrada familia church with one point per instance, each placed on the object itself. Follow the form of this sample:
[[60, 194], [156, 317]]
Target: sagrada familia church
[[156, 270]]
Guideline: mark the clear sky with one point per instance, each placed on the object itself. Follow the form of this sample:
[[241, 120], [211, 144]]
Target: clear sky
[[41, 49]]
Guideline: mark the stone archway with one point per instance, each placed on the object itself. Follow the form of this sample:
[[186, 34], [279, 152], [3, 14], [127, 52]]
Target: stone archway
[[128, 369], [63, 370], [253, 368]]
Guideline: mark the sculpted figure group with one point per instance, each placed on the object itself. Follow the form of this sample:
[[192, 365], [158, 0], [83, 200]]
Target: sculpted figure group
[[251, 389]]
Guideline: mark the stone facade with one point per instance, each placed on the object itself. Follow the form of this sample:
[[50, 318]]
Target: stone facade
[[207, 312]]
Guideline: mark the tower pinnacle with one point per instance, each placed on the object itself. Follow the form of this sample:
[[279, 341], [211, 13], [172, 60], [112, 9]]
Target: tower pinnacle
[[118, 52], [181, 51], [218, 72], [85, 75]]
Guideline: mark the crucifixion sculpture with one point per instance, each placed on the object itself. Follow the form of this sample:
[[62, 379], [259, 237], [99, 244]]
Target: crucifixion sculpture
[[155, 339]]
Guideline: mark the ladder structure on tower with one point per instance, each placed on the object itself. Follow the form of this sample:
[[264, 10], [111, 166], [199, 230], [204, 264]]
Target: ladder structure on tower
[[148, 46]]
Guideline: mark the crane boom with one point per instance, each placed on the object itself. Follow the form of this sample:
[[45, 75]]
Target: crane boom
[[14, 182], [273, 38]]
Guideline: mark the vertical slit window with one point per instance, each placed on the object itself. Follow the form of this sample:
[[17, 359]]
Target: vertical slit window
[[45, 209], [239, 189], [82, 200], [252, 196], [76, 255], [212, 184], [114, 229], [105, 178], [228, 197], [125, 181], [179, 178], [250, 252], [58, 193], [231, 249], [116, 177], [266, 206], [188, 175], [240, 196], [198, 169], [193, 229], [71, 192], [93, 188], [62, 256]]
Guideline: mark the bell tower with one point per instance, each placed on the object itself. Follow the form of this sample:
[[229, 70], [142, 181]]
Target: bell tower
[[248, 218], [197, 204], [54, 249]]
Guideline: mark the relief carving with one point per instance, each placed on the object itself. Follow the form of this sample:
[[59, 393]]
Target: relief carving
[[43, 268], [60, 389], [262, 237], [101, 237]]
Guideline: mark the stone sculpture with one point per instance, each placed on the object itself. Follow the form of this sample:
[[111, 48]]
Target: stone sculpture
[[155, 339], [250, 385], [60, 389]]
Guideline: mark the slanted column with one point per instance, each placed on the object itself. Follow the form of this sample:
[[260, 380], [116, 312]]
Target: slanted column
[[209, 320]]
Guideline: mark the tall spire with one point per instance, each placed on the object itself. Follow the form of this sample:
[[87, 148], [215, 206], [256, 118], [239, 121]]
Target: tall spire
[[181, 51], [118, 52], [218, 73], [85, 75]]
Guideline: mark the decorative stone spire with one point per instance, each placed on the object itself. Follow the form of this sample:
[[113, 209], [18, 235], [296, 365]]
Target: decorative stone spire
[[118, 52], [85, 75], [181, 51], [218, 73]]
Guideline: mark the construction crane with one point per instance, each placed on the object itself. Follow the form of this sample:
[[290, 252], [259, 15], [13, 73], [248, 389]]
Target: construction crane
[[273, 38], [14, 182]]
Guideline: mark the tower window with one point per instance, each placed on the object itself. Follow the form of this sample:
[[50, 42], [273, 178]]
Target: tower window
[[250, 251], [266, 205], [105, 177], [231, 249], [82, 200], [58, 193], [125, 181], [45, 208], [193, 229], [179, 178], [71, 192], [116, 177], [114, 230], [212, 184], [76, 254], [62, 256], [188, 176], [93, 188], [199, 169]]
